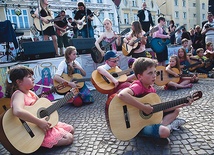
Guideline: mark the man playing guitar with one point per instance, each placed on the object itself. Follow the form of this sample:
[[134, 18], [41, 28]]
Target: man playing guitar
[[83, 18], [61, 27]]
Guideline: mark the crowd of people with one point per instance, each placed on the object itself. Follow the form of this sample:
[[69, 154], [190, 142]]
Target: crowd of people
[[140, 81]]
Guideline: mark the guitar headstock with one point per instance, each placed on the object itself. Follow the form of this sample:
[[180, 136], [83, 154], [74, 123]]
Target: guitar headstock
[[196, 95], [125, 31]]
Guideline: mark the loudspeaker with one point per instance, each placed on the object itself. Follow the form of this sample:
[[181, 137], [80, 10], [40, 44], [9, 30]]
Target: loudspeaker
[[38, 50], [83, 45]]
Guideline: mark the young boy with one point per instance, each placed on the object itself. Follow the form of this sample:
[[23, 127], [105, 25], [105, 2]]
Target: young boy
[[207, 64], [145, 71], [189, 50], [111, 59]]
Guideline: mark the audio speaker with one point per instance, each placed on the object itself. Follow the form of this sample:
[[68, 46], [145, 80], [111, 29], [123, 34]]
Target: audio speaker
[[83, 45], [38, 50]]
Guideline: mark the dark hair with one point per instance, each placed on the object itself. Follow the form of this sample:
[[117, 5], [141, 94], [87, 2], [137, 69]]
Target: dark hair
[[137, 28], [184, 51], [141, 64], [161, 18], [177, 61], [17, 73], [62, 11], [81, 4]]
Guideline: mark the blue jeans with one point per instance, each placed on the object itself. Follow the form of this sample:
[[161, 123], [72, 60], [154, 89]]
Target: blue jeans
[[150, 131], [90, 32]]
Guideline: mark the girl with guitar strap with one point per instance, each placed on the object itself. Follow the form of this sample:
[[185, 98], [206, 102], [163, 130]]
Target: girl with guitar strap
[[22, 81], [184, 81], [49, 31], [107, 37], [70, 66], [137, 32]]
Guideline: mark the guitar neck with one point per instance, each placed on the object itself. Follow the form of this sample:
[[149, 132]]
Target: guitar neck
[[82, 79], [125, 72], [57, 105], [53, 89], [169, 104]]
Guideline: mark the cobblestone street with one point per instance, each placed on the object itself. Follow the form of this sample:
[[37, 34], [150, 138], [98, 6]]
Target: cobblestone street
[[92, 135]]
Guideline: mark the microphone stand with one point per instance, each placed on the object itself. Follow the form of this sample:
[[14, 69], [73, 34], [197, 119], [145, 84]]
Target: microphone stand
[[40, 21], [86, 15]]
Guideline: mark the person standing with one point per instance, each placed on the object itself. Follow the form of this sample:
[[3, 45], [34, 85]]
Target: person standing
[[42, 13], [208, 29], [74, 25], [163, 56], [61, 28], [84, 26], [145, 18], [171, 29]]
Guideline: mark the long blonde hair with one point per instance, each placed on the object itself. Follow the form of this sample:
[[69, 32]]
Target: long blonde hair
[[68, 51], [46, 9]]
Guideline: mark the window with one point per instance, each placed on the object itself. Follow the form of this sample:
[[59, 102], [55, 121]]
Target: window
[[87, 0], [99, 1], [134, 3], [176, 14], [184, 3], [135, 17], [126, 18], [203, 6], [184, 15], [22, 21], [73, 0], [203, 16], [176, 2], [125, 2], [152, 4], [111, 17], [194, 4], [101, 18], [194, 15]]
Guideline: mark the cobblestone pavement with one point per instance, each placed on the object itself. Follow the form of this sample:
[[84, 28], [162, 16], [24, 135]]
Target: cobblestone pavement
[[92, 135]]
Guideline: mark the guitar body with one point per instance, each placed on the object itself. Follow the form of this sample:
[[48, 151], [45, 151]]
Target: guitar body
[[62, 33], [80, 27], [136, 118], [96, 55], [100, 83], [158, 45], [67, 88], [36, 22], [4, 102], [193, 61], [14, 136], [128, 49], [163, 77]]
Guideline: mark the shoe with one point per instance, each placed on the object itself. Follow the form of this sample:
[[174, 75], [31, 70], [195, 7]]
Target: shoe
[[177, 123], [211, 75], [172, 88], [161, 141]]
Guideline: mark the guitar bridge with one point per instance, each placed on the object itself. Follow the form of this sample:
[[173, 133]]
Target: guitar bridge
[[126, 116]]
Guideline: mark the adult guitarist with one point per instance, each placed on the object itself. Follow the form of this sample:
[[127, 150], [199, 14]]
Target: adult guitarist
[[61, 27], [42, 13], [137, 32], [83, 18]]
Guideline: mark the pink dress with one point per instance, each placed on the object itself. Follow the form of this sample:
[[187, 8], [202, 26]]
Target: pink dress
[[56, 133]]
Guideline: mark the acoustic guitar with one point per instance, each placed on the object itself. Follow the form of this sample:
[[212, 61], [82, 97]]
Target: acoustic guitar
[[103, 84], [128, 49], [126, 121], [97, 56], [44, 26], [21, 137], [75, 78], [158, 45], [163, 77], [5, 104]]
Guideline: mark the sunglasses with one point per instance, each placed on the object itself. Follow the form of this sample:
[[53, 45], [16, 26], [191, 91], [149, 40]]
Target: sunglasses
[[114, 61]]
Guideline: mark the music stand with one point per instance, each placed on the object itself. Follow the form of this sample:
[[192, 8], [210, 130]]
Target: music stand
[[7, 34]]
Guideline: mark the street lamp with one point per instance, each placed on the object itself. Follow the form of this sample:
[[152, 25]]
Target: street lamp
[[159, 14]]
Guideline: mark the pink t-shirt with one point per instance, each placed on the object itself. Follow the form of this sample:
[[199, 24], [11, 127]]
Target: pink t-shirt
[[139, 90]]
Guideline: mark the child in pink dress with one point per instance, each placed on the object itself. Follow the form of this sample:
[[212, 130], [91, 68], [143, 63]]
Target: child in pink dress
[[22, 82]]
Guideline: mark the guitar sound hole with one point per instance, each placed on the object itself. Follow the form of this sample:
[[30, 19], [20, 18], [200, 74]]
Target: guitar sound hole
[[43, 113], [114, 74]]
